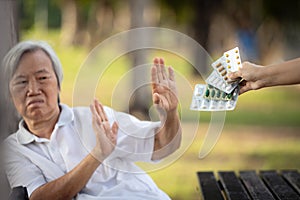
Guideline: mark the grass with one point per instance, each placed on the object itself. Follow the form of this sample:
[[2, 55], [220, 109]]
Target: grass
[[261, 133]]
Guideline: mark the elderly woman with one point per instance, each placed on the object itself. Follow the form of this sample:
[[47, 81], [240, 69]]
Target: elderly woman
[[60, 152]]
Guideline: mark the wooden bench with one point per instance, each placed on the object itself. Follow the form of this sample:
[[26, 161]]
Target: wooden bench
[[248, 185]]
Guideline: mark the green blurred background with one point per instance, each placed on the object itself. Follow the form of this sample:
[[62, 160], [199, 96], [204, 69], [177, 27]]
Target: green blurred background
[[263, 132]]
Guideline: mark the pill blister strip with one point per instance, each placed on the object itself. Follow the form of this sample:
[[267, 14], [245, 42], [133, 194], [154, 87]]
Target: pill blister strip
[[220, 93], [232, 59], [229, 62], [209, 98], [217, 81]]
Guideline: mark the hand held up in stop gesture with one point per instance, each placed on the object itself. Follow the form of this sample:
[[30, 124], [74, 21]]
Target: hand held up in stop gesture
[[164, 91], [106, 135]]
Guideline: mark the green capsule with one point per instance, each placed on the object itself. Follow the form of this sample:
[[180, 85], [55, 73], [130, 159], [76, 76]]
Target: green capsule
[[229, 96], [218, 94], [224, 95], [207, 93], [213, 92]]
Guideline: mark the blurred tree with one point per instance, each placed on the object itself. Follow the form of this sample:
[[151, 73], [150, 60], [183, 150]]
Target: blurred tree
[[141, 98], [41, 14], [86, 22], [26, 14], [195, 16], [204, 11], [9, 37], [100, 21], [284, 16], [54, 14], [69, 23]]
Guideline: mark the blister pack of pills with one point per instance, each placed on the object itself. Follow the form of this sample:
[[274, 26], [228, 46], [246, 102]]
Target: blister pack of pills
[[209, 98], [220, 93], [217, 81], [229, 62]]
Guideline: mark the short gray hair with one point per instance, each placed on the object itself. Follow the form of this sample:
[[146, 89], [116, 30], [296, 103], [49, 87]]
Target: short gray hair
[[13, 57]]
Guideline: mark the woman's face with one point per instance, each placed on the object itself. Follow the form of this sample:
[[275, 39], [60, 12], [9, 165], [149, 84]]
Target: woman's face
[[34, 87]]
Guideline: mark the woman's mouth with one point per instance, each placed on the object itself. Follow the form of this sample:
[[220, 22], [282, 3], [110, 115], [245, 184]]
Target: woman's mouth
[[35, 102]]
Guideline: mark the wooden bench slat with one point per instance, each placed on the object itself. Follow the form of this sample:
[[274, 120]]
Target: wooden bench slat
[[279, 186], [209, 186], [255, 186], [293, 177], [233, 188]]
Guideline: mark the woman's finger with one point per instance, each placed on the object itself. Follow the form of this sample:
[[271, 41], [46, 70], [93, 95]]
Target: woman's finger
[[100, 111], [115, 127], [171, 73], [159, 73], [96, 117], [162, 69], [154, 77], [234, 75], [156, 98]]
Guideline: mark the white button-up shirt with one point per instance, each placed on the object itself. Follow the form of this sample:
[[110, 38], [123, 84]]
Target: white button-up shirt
[[32, 161]]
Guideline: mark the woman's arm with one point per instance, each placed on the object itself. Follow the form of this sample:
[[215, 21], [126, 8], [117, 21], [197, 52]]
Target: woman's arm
[[286, 73], [164, 94], [67, 186], [256, 76]]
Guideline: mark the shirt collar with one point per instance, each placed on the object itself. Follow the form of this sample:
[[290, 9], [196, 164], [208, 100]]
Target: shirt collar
[[25, 137]]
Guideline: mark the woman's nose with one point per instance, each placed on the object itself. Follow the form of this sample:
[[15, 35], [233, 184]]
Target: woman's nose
[[33, 88]]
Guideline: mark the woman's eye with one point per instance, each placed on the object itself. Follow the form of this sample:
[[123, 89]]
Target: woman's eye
[[43, 78], [22, 82]]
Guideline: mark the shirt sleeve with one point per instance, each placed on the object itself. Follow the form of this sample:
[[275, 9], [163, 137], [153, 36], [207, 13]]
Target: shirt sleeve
[[135, 137], [20, 171]]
